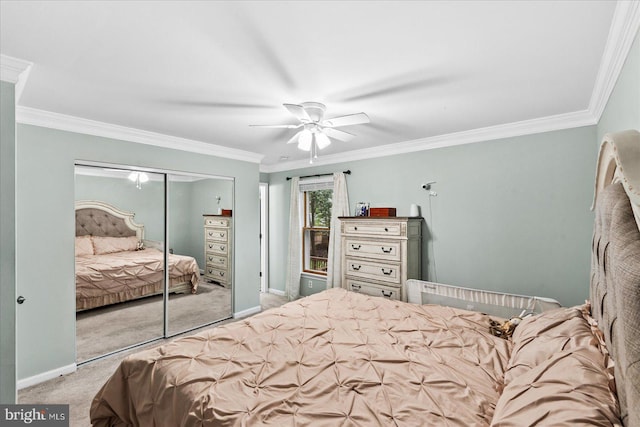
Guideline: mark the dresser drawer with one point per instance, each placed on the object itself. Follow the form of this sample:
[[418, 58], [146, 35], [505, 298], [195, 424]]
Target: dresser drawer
[[373, 289], [216, 274], [216, 234], [216, 222], [216, 248], [218, 261], [373, 228], [381, 271], [373, 249]]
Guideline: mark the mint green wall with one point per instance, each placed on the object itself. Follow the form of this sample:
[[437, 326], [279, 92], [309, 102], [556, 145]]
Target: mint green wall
[[45, 230], [7, 243], [623, 108], [511, 215]]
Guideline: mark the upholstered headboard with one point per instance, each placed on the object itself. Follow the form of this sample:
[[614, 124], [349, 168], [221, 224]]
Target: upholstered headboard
[[96, 218], [615, 267]]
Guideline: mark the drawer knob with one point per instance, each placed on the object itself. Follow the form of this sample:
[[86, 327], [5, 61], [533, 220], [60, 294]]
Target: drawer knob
[[221, 234], [221, 248], [222, 274], [353, 267], [386, 251], [386, 229], [355, 248], [387, 273], [355, 287], [385, 294], [355, 228]]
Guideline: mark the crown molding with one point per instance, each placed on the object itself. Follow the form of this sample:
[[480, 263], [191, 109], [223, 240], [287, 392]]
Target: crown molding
[[509, 130], [11, 68], [622, 33], [16, 71], [48, 119]]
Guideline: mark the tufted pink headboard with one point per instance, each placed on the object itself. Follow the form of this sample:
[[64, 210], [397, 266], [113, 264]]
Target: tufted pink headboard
[[615, 281], [96, 218]]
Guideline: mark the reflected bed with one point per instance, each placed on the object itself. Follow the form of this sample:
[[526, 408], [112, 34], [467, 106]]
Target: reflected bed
[[115, 264]]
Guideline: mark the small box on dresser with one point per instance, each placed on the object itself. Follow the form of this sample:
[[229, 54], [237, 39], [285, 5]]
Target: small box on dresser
[[217, 249], [379, 254]]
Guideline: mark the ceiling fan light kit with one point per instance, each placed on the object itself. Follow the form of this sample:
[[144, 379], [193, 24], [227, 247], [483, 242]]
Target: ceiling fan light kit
[[317, 132]]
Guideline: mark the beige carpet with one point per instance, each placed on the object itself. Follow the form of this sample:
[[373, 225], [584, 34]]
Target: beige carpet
[[102, 330], [79, 388]]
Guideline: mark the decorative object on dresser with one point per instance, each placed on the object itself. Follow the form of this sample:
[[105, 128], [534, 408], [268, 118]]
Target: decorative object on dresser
[[217, 249], [379, 254], [382, 212]]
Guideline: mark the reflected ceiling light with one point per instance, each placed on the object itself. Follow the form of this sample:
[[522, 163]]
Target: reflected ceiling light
[[138, 178]]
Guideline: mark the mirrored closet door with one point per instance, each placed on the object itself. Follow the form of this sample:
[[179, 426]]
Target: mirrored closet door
[[119, 259], [131, 288], [200, 230]]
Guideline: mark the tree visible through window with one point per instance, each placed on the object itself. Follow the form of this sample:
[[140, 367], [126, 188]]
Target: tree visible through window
[[317, 209]]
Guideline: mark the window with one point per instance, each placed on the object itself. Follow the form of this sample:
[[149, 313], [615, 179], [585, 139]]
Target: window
[[315, 230]]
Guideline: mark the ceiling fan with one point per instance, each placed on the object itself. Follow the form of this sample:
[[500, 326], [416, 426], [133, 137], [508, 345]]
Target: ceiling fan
[[316, 130]]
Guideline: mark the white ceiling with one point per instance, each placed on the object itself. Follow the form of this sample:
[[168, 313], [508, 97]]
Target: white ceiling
[[205, 71]]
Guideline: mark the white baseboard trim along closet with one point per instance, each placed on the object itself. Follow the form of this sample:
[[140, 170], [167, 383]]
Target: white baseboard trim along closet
[[247, 312], [45, 376]]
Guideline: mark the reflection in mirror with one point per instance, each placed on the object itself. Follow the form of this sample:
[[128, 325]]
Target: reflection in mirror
[[119, 259], [200, 227]]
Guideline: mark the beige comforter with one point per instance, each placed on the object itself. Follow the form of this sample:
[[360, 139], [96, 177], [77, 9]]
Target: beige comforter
[[121, 276], [336, 358]]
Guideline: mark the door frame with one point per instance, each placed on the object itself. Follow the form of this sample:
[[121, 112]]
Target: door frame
[[264, 236]]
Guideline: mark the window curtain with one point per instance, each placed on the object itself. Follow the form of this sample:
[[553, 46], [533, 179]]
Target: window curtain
[[339, 207], [292, 286]]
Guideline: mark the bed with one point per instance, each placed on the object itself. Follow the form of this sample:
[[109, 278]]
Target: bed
[[339, 358], [114, 263]]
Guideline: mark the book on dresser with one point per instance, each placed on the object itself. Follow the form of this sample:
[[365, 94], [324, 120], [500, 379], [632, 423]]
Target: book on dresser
[[379, 254], [217, 249]]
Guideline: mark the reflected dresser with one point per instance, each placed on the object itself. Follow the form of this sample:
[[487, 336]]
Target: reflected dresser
[[379, 254], [217, 249]]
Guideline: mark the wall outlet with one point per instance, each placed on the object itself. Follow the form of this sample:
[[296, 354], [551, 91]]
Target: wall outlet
[[310, 284]]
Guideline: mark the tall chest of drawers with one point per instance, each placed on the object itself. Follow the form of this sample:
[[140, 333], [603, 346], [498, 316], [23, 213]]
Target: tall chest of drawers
[[217, 249], [379, 254]]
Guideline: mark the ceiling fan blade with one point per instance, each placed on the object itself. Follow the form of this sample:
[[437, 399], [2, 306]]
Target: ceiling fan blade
[[215, 104], [338, 134], [348, 120], [294, 138], [277, 126], [298, 112]]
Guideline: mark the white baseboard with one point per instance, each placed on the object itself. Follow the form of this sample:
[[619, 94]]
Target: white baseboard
[[247, 312], [45, 376], [277, 292]]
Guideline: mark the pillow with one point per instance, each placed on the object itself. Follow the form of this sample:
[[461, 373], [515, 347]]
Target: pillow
[[108, 245], [571, 387], [84, 246], [537, 338]]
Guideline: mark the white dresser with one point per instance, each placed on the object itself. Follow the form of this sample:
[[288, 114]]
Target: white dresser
[[379, 254], [217, 249]]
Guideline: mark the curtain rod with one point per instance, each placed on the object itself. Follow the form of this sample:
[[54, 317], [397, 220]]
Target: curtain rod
[[347, 172]]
